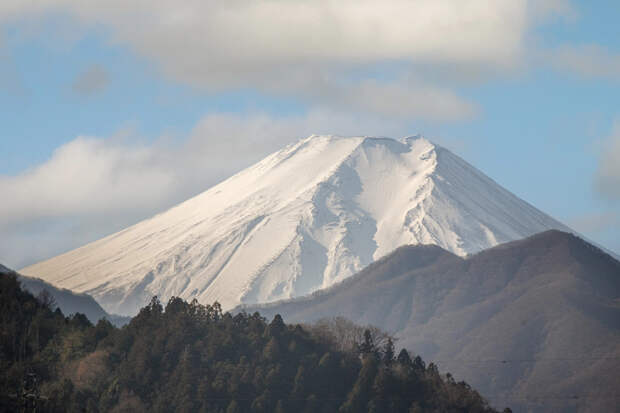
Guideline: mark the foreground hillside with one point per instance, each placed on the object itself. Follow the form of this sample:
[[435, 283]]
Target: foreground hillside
[[194, 358], [534, 324], [304, 218]]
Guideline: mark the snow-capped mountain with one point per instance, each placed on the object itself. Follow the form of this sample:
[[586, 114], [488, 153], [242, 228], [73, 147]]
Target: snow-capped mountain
[[304, 218]]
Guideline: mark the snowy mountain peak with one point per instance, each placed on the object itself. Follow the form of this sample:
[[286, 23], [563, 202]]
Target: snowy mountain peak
[[301, 219]]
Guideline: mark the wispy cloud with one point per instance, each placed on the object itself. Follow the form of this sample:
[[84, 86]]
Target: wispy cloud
[[589, 60], [607, 179], [10, 78], [541, 10], [596, 222], [91, 81]]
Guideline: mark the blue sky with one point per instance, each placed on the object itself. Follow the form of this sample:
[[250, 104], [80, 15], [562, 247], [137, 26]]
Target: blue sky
[[169, 100]]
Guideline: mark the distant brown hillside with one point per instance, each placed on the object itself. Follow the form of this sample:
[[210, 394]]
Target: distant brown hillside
[[533, 324]]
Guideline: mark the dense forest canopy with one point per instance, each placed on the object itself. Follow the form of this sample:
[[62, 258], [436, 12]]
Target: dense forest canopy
[[189, 357]]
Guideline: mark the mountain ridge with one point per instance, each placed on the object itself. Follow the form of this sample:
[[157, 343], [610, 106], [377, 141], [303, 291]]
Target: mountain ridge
[[441, 254], [302, 219], [70, 303], [515, 320]]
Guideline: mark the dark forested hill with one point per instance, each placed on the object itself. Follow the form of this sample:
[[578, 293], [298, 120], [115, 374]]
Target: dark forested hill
[[534, 324], [187, 357]]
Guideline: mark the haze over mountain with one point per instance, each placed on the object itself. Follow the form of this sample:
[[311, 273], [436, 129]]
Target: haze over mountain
[[72, 303], [533, 324], [304, 218], [68, 301]]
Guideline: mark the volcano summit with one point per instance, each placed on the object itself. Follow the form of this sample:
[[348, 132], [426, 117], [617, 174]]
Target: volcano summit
[[303, 218]]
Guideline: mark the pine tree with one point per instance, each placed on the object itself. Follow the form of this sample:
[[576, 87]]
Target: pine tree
[[276, 327], [418, 364], [404, 359]]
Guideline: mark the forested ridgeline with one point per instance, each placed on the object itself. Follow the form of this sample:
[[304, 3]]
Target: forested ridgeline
[[188, 357]]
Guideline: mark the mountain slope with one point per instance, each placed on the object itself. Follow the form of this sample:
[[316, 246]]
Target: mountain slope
[[68, 301], [531, 323], [302, 219], [72, 303]]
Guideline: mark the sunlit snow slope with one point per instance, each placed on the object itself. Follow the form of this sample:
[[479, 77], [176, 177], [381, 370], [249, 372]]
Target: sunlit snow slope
[[302, 219]]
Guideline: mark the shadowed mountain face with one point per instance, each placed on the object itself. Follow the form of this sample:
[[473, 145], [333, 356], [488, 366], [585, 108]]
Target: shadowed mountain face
[[68, 301], [71, 303], [533, 324]]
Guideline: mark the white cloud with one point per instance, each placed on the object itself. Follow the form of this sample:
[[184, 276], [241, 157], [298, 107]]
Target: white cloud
[[206, 41], [304, 48], [608, 174], [297, 47], [86, 175], [93, 186]]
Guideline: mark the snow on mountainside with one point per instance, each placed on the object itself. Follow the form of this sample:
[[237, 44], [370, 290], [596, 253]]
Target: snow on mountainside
[[301, 219]]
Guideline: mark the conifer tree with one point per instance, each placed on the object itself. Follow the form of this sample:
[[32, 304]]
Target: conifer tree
[[404, 359]]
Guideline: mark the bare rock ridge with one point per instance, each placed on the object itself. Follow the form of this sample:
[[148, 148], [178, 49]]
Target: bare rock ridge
[[532, 324], [302, 219]]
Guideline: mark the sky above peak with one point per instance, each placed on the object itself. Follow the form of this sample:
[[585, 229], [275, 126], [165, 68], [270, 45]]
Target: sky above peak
[[113, 111]]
